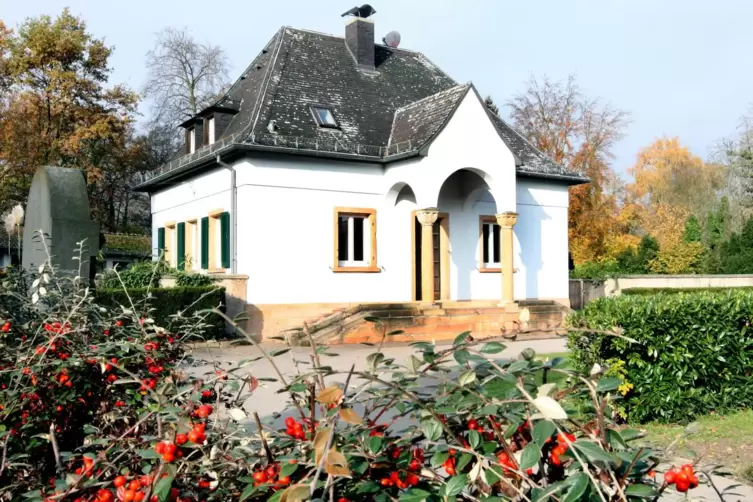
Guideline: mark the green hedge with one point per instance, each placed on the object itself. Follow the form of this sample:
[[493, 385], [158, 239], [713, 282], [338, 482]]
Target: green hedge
[[693, 352], [167, 302], [673, 291]]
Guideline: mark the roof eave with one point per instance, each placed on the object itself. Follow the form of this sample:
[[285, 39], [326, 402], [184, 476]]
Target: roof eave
[[570, 180], [154, 184]]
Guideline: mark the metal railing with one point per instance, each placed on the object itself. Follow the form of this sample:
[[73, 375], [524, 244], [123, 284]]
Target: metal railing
[[324, 145]]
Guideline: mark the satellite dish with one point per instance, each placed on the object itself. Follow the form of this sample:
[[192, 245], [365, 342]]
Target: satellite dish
[[392, 39]]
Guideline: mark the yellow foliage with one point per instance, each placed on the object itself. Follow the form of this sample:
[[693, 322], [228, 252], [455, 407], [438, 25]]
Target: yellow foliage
[[677, 258]]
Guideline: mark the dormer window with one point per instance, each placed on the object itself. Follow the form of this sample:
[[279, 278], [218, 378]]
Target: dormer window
[[209, 130], [324, 117], [192, 140]]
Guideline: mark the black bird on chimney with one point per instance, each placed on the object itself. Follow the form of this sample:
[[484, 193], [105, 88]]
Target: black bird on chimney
[[363, 11]]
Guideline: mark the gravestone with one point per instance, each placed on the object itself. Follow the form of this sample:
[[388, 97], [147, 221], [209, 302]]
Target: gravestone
[[58, 205]]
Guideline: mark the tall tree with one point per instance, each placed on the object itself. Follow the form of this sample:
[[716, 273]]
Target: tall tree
[[55, 106], [578, 132], [666, 172], [184, 75]]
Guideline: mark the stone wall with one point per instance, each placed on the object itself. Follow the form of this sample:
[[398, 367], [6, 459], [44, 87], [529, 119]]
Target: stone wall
[[614, 287]]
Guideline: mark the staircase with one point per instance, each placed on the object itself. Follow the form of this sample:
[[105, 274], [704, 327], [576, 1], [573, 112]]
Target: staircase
[[409, 322]]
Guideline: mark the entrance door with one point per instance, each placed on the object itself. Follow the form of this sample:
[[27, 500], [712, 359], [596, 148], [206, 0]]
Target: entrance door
[[440, 254]]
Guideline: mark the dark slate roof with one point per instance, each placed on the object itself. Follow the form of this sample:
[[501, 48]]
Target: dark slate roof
[[529, 159], [420, 121], [384, 115]]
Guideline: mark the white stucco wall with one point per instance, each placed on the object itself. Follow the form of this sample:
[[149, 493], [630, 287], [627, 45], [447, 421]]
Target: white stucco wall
[[285, 238], [541, 240]]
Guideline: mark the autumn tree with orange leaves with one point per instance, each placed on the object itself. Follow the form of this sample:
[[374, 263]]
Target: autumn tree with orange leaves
[[578, 132], [671, 185], [57, 109]]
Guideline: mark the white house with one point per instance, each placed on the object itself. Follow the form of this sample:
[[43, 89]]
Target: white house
[[337, 171]]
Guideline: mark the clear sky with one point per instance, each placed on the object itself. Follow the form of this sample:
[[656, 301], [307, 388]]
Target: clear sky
[[680, 67]]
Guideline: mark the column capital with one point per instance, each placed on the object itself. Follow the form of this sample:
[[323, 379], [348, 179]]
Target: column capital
[[427, 217], [507, 219]]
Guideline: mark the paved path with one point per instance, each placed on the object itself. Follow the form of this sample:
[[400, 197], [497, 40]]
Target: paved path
[[266, 401]]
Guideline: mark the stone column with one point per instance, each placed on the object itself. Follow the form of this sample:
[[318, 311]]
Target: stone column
[[506, 221], [427, 218]]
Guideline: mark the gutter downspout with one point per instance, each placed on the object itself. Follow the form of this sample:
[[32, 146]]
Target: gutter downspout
[[233, 216]]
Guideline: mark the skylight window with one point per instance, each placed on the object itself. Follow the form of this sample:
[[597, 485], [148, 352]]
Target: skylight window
[[324, 116]]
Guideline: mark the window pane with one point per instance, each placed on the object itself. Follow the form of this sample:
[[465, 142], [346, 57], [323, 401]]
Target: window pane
[[192, 147], [358, 233], [485, 244], [342, 238], [496, 243], [210, 125]]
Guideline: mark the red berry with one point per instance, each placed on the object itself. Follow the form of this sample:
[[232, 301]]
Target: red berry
[[260, 477], [670, 477], [204, 411], [193, 436], [181, 439], [415, 465], [160, 448], [472, 424], [134, 485], [119, 481], [385, 482], [285, 480], [129, 495], [693, 481], [682, 485], [556, 459], [289, 422], [168, 457], [139, 497], [687, 469], [411, 479], [170, 448]]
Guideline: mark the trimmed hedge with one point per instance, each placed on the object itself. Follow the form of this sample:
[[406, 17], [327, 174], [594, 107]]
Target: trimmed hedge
[[166, 302], [694, 351], [674, 291]]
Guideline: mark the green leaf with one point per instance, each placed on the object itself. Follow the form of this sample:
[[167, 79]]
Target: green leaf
[[414, 495], [279, 352], [467, 378], [462, 356], [593, 452], [288, 469], [454, 485], [641, 491], [148, 454], [578, 485], [530, 457], [432, 429], [463, 460], [250, 489], [162, 490], [460, 338], [375, 444], [439, 458], [492, 348], [518, 366], [374, 359], [543, 430], [608, 384], [474, 438]]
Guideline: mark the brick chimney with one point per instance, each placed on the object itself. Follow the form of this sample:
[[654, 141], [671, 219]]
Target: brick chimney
[[359, 37]]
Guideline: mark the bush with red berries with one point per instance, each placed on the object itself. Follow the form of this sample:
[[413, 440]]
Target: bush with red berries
[[102, 404]]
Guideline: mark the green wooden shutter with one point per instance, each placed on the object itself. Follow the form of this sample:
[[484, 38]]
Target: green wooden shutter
[[181, 246], [225, 239], [205, 243], [161, 242]]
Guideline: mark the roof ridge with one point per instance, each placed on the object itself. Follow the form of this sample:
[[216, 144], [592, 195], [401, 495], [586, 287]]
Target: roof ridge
[[343, 38], [447, 91]]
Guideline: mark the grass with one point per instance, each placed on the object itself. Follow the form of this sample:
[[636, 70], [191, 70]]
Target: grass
[[723, 439]]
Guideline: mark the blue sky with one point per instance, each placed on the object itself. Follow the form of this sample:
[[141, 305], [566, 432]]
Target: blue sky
[[681, 68]]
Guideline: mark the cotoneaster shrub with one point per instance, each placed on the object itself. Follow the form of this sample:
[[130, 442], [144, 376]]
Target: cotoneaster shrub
[[675, 291], [99, 404], [692, 353]]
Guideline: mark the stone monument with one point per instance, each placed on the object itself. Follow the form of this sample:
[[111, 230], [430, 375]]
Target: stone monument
[[58, 205]]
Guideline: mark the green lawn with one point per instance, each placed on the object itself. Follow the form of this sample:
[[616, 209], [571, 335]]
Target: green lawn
[[723, 439]]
